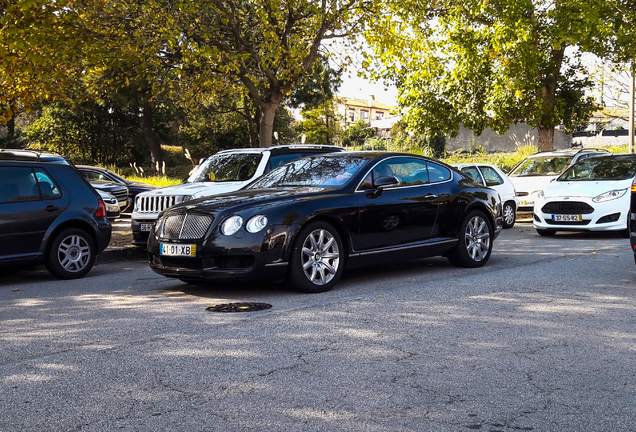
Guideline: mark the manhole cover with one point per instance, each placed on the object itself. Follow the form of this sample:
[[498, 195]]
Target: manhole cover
[[238, 307]]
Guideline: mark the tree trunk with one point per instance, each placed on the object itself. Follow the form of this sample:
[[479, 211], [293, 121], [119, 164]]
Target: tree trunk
[[11, 131], [546, 138], [548, 100], [266, 123], [150, 136]]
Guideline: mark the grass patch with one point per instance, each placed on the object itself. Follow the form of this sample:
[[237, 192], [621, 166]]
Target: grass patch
[[158, 181], [505, 161]]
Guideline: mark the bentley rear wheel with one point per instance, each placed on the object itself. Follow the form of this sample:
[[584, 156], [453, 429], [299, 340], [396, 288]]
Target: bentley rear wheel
[[475, 241]]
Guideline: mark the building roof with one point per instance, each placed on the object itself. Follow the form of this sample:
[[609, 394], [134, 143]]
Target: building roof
[[363, 103]]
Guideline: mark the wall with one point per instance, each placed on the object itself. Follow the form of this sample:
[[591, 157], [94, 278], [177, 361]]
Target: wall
[[516, 136]]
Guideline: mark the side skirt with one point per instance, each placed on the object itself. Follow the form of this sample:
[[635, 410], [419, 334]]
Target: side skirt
[[423, 249]]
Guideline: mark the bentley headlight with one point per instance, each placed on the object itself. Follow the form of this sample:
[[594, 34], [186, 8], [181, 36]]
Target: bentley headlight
[[608, 196], [256, 224], [231, 225]]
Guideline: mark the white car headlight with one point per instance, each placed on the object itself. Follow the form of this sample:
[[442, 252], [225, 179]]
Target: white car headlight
[[182, 198], [540, 194], [256, 224], [610, 195], [231, 225]]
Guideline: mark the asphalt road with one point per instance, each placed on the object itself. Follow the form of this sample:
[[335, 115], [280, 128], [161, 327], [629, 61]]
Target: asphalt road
[[543, 339]]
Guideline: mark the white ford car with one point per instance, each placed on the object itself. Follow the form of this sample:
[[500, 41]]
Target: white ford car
[[535, 172], [495, 178], [226, 171], [592, 195]]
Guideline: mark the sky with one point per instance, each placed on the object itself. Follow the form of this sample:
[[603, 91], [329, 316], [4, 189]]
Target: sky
[[354, 86]]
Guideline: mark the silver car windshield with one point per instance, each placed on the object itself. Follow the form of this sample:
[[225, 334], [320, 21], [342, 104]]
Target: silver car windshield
[[227, 167], [541, 166]]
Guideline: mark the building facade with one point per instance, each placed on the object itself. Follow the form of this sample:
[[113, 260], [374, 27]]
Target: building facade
[[369, 110]]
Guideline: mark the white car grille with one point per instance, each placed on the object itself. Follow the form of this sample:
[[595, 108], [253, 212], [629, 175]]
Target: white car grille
[[156, 203]]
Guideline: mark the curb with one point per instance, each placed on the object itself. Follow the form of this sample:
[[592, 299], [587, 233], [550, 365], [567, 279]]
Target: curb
[[123, 253]]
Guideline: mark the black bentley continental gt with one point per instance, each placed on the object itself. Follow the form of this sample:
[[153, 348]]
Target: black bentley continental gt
[[308, 219]]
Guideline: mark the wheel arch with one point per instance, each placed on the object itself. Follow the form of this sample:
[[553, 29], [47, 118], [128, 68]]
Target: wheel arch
[[482, 207], [73, 223], [333, 221]]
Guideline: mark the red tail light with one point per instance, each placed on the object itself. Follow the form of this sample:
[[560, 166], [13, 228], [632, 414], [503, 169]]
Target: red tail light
[[101, 209]]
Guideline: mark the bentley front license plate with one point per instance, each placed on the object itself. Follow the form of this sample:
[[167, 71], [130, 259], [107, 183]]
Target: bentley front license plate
[[567, 218], [180, 250]]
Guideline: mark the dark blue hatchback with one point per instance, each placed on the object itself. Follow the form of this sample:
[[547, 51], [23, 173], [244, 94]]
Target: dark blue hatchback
[[49, 214]]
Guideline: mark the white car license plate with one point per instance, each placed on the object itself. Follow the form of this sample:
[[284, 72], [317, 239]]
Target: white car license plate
[[145, 227], [181, 250], [567, 218]]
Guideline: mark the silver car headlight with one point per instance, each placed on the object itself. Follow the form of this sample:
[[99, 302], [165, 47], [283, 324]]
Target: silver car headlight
[[182, 198], [541, 194], [256, 224], [610, 195], [231, 225]]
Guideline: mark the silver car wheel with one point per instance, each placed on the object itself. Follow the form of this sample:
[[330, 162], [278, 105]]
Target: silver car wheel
[[74, 253], [320, 257], [477, 238], [509, 214]]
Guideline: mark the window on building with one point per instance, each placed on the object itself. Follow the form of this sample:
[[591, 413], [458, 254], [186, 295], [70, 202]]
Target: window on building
[[364, 114], [379, 115], [351, 115]]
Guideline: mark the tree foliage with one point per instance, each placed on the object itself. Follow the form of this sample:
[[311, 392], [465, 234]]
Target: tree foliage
[[357, 133], [490, 63], [320, 124], [268, 46], [245, 57]]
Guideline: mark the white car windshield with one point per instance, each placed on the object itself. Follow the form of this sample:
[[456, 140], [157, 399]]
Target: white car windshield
[[541, 166], [605, 169], [227, 167]]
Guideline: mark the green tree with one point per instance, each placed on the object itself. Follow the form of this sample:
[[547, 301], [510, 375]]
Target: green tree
[[319, 86], [357, 133], [268, 46], [320, 124], [491, 63], [34, 56]]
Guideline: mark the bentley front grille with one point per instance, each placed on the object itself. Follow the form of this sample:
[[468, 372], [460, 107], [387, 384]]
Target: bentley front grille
[[185, 226]]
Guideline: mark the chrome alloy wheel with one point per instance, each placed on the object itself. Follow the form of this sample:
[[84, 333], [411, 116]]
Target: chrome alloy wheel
[[508, 214], [320, 257], [477, 238], [74, 253]]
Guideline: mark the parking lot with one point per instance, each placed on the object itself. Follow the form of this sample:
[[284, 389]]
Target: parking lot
[[543, 339]]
